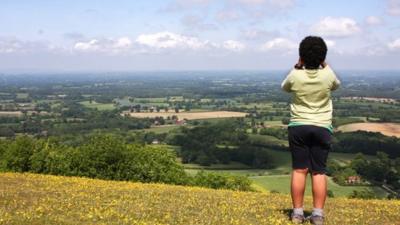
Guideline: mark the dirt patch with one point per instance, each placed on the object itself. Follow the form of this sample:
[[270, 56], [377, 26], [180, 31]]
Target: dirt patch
[[11, 113], [389, 129], [189, 115]]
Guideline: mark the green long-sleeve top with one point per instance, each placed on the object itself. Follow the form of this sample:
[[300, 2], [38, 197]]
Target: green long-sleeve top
[[311, 100]]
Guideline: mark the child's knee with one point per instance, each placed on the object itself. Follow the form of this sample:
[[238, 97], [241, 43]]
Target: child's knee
[[314, 173], [304, 170]]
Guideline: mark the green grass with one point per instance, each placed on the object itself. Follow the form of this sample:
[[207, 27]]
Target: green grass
[[229, 166], [267, 105], [281, 183], [161, 129], [150, 100], [22, 95], [176, 98], [99, 106], [274, 123], [267, 140], [281, 160], [278, 177]]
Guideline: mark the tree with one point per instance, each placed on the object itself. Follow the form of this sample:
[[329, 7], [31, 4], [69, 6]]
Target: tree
[[285, 120], [17, 157], [359, 163]]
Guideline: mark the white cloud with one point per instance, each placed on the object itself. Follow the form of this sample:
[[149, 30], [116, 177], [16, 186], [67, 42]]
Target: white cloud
[[153, 43], [394, 7], [373, 20], [232, 45], [123, 42], [91, 45], [336, 27], [14, 45], [109, 45], [330, 43], [394, 45], [166, 40], [279, 44]]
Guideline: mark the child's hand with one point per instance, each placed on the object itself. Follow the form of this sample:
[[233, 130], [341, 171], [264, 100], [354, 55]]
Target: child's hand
[[299, 65]]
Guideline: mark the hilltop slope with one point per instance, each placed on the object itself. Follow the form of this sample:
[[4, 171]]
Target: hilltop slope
[[44, 199]]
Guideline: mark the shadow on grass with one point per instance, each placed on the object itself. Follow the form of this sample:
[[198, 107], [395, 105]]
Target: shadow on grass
[[288, 211]]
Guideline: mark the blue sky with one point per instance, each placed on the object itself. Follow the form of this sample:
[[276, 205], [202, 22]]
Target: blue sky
[[105, 35]]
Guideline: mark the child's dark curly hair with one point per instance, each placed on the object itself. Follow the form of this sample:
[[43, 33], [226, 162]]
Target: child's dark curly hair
[[313, 51]]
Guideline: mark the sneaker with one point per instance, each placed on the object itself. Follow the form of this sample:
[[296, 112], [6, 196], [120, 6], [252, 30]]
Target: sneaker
[[317, 220], [296, 218]]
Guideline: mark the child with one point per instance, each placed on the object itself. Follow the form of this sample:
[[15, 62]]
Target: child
[[310, 127]]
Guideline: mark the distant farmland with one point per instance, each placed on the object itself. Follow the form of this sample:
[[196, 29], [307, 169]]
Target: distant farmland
[[11, 113], [189, 115], [389, 129]]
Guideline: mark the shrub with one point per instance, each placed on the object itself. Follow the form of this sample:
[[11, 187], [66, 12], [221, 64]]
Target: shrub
[[221, 181], [330, 194], [17, 155], [151, 164], [363, 194], [107, 157]]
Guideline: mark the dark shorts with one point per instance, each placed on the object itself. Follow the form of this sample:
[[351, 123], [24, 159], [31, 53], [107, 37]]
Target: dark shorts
[[309, 146]]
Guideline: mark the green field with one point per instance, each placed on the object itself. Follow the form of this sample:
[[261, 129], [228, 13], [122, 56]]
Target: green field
[[281, 161], [22, 95], [161, 129], [267, 140], [281, 183], [98, 106], [151, 100], [278, 178]]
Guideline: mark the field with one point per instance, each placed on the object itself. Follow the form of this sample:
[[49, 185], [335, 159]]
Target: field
[[389, 129], [99, 106], [43, 199], [9, 113], [278, 178], [281, 183], [161, 129], [189, 115], [372, 99]]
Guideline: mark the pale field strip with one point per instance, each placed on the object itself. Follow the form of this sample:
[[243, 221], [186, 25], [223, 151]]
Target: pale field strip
[[188, 115], [11, 113], [389, 129], [387, 100]]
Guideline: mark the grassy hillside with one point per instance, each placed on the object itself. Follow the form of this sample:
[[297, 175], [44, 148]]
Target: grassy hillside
[[43, 199]]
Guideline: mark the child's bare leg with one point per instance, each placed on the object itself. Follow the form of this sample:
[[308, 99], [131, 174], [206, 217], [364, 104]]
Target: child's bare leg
[[298, 185], [319, 189]]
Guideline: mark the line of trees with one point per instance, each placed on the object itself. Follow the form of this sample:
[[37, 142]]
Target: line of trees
[[220, 142], [106, 157]]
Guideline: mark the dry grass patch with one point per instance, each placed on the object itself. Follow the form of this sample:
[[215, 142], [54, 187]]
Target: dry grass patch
[[189, 115], [389, 129]]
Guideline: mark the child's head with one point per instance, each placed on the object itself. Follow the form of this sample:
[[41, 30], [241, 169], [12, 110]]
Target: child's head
[[312, 52]]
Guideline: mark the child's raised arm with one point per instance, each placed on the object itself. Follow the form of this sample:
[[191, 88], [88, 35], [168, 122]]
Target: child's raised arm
[[287, 83]]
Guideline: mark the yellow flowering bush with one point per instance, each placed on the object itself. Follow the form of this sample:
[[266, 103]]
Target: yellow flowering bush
[[45, 199]]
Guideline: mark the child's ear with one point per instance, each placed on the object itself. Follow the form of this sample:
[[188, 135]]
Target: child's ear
[[299, 65]]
